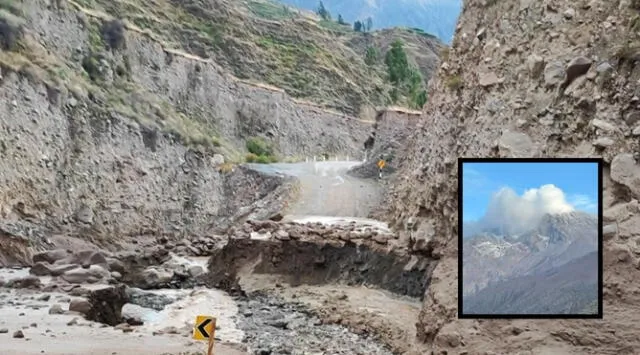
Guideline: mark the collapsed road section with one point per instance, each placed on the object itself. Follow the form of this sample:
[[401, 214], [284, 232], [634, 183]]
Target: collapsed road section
[[318, 254]]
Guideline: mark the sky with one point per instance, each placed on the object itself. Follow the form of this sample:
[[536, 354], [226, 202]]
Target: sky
[[504, 192]]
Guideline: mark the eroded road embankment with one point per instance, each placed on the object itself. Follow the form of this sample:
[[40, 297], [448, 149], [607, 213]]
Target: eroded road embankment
[[326, 254]]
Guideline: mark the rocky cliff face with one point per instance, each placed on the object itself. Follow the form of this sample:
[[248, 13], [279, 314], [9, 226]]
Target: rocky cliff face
[[530, 79], [390, 131], [106, 143]]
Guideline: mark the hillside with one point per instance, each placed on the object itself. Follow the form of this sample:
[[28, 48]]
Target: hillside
[[263, 41], [529, 79], [571, 288], [433, 16], [556, 240]]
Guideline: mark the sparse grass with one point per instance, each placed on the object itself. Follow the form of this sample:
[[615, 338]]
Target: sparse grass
[[335, 26], [226, 168], [634, 23], [421, 32], [270, 10], [454, 82], [12, 6], [444, 54]]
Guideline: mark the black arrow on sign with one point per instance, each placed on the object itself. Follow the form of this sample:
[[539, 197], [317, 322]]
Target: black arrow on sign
[[202, 326]]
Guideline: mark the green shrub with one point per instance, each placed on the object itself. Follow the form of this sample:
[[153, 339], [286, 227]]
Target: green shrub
[[258, 146], [260, 159], [251, 158]]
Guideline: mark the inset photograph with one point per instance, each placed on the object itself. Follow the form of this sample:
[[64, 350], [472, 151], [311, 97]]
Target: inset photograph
[[530, 240]]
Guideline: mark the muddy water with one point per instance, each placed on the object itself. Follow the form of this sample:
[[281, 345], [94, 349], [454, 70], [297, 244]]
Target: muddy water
[[258, 325]]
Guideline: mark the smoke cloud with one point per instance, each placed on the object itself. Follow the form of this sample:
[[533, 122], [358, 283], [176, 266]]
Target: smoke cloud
[[509, 213]]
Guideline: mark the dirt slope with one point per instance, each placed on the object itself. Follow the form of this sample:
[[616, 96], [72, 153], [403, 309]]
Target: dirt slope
[[530, 78]]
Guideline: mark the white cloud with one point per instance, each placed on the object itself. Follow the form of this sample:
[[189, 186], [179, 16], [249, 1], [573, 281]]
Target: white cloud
[[583, 202], [515, 214]]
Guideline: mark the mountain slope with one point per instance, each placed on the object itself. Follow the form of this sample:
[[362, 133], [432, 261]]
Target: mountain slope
[[512, 86], [567, 289], [433, 16], [556, 240], [266, 42]]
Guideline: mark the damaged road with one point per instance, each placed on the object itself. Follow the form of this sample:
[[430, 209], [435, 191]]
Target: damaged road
[[314, 282]]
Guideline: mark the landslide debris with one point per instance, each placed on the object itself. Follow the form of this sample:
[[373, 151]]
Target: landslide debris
[[529, 79]]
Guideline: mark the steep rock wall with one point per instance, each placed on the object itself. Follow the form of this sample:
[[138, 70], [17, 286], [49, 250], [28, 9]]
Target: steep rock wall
[[79, 169], [530, 78], [387, 139], [197, 87]]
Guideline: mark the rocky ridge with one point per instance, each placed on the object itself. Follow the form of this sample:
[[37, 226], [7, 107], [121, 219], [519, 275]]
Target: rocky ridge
[[529, 79], [392, 127]]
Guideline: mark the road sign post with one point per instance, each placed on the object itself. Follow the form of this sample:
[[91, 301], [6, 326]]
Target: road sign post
[[204, 329], [381, 164]]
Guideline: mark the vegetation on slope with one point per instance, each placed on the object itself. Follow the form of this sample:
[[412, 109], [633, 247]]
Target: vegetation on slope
[[313, 58], [264, 41]]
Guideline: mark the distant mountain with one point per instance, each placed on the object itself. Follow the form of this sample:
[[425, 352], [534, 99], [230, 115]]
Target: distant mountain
[[438, 17], [491, 259], [569, 289]]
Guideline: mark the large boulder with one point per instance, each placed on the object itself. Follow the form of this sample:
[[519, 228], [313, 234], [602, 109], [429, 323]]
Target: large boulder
[[50, 256], [45, 269], [87, 258], [80, 305], [92, 274], [25, 282], [106, 305], [152, 278]]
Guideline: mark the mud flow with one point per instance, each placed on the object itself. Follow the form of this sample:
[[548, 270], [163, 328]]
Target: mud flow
[[312, 282]]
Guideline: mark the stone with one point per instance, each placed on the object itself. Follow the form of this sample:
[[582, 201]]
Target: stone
[[18, 334], [40, 269], [632, 118], [4, 330], [569, 13], [603, 125], [603, 142], [116, 265], [92, 274], [636, 131], [30, 281], [609, 231], [56, 309], [80, 306], [45, 269], [84, 214], [516, 145], [577, 67], [625, 171], [106, 305], [489, 79], [134, 321], [116, 275], [381, 238], [88, 258], [554, 73], [282, 235], [535, 64], [50, 256], [155, 278], [217, 159], [422, 239]]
